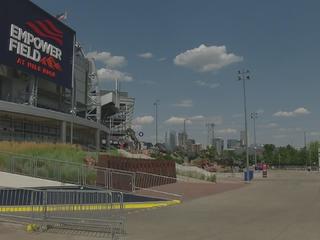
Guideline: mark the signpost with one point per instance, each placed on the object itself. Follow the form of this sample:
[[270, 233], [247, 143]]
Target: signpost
[[35, 42]]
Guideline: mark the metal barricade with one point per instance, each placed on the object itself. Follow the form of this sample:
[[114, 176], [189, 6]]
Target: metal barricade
[[83, 210]]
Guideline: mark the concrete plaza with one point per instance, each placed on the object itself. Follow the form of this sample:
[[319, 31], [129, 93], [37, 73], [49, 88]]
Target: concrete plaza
[[285, 206]]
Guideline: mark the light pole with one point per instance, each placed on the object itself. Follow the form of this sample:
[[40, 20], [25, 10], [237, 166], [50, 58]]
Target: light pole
[[305, 148], [254, 116], [156, 103], [73, 112], [243, 76]]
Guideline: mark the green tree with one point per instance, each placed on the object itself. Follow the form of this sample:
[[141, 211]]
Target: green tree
[[210, 153], [313, 152], [268, 153]]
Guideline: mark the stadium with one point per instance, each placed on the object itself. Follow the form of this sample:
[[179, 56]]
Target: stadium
[[49, 89]]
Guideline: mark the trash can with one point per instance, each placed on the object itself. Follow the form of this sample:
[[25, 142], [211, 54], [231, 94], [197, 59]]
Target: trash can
[[248, 176]]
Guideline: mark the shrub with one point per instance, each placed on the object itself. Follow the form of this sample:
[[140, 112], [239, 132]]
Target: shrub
[[212, 178]]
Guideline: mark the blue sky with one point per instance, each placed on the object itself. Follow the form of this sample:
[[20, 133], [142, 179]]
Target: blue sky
[[187, 54]]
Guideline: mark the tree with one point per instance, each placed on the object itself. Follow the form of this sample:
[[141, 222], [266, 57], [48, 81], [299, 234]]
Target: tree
[[313, 151], [209, 153], [268, 153]]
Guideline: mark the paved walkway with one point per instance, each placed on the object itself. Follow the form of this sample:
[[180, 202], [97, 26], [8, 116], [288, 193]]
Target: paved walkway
[[20, 181], [286, 206]]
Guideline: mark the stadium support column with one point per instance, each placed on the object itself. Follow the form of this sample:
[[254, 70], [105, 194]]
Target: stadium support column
[[98, 139], [63, 131]]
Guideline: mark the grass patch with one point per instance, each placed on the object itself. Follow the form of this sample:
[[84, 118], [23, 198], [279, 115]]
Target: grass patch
[[63, 152], [37, 159]]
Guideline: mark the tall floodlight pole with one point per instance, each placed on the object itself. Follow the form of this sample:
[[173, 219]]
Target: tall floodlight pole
[[184, 132], [155, 104], [243, 76], [305, 147], [73, 102], [254, 116], [73, 114]]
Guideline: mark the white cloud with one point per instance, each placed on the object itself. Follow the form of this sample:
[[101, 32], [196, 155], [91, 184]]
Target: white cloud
[[177, 120], [198, 119], [143, 120], [186, 103], [202, 83], [227, 131], [270, 125], [314, 133], [162, 59], [288, 130], [146, 55], [107, 59], [260, 111], [136, 127], [217, 120], [297, 112], [106, 74], [206, 58]]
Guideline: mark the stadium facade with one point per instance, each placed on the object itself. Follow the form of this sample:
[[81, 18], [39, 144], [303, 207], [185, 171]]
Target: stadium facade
[[49, 89]]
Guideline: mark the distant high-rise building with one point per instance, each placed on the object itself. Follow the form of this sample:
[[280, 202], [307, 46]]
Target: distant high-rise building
[[196, 148], [172, 140], [233, 143], [182, 139], [189, 143], [218, 143], [242, 138], [166, 141]]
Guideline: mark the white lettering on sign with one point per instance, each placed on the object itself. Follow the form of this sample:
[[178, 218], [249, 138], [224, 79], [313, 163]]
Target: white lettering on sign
[[27, 45]]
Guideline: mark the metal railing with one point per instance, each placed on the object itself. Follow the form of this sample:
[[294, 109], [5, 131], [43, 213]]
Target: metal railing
[[83, 210], [91, 176], [80, 174], [147, 180]]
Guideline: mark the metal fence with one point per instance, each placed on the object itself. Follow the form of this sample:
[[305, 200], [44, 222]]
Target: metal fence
[[147, 180], [80, 174], [83, 210]]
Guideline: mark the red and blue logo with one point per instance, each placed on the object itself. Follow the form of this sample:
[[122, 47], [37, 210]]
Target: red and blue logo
[[46, 29]]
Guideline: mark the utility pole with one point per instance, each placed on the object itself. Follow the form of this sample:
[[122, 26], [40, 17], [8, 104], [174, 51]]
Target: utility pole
[[155, 104], [305, 147], [254, 116], [243, 76]]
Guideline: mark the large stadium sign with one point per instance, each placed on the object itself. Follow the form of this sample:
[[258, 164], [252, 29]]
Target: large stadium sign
[[33, 41]]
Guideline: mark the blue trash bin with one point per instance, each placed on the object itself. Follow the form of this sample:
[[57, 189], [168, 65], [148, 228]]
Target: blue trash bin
[[248, 176]]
